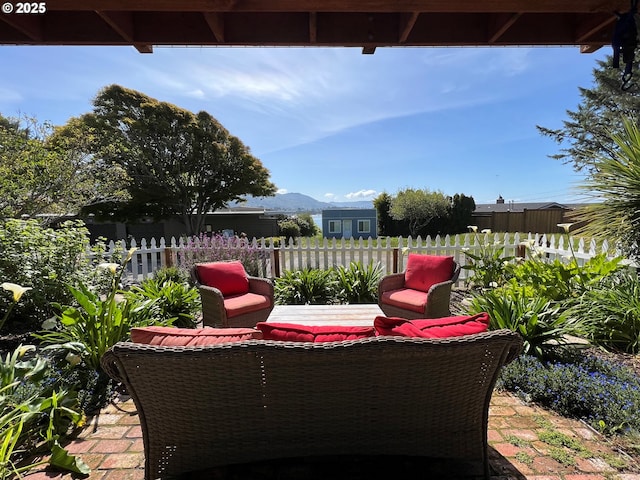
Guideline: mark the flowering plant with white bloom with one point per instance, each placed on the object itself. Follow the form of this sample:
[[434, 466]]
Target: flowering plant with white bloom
[[17, 291], [488, 263], [89, 330]]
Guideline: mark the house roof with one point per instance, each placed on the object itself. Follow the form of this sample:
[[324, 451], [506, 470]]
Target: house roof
[[520, 207], [144, 24]]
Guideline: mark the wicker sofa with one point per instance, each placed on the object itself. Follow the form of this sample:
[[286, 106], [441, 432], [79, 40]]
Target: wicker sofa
[[254, 400]]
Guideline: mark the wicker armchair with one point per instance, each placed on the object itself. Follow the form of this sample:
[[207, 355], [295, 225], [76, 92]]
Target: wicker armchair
[[422, 291], [230, 297]]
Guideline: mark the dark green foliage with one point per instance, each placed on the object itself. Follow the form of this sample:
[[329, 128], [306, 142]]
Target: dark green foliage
[[609, 313], [294, 226], [178, 162], [359, 284], [605, 395], [310, 286], [539, 321], [46, 260], [460, 212], [167, 301], [289, 229]]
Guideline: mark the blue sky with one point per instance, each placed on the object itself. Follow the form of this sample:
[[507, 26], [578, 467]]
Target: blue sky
[[338, 125]]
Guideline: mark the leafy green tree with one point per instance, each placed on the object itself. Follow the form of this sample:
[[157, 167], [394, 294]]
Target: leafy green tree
[[601, 112], [387, 225], [418, 208], [460, 213], [178, 163], [42, 171]]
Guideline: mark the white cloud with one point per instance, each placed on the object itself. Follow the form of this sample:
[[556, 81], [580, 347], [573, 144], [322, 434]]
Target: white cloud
[[361, 194], [282, 191], [330, 196]]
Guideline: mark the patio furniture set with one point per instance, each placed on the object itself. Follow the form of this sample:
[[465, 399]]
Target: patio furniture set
[[413, 382]]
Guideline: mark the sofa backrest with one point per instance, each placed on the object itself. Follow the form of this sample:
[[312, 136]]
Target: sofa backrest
[[256, 399]]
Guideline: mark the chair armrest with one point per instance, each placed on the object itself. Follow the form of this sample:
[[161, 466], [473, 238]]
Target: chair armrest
[[261, 286], [390, 282], [213, 312], [438, 300]]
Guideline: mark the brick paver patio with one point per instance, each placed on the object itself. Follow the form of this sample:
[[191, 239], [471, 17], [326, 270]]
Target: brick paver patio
[[527, 443]]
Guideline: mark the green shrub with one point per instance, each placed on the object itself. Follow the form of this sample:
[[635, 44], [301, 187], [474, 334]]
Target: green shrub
[[46, 260], [605, 395], [308, 286], [359, 284], [609, 313], [557, 280], [96, 324], [538, 320], [289, 229], [167, 301]]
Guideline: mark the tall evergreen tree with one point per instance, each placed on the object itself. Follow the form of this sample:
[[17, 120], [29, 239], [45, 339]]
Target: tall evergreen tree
[[588, 130]]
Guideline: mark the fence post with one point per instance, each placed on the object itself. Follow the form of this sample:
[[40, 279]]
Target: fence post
[[168, 257], [276, 262], [395, 260]]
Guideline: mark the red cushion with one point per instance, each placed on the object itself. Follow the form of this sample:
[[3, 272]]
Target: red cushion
[[432, 327], [406, 298], [191, 337], [228, 277], [423, 271], [241, 304], [306, 333]]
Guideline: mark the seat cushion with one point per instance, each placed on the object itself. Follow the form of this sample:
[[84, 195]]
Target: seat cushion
[[312, 333], [246, 303], [432, 327], [423, 271], [191, 337], [406, 298], [228, 277]]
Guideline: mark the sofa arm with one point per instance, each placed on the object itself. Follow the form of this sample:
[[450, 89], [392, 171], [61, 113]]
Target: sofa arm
[[109, 363], [213, 312], [261, 286]]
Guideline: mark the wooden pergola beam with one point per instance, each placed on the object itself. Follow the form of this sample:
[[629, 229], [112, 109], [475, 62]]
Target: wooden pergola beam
[[122, 23], [372, 6]]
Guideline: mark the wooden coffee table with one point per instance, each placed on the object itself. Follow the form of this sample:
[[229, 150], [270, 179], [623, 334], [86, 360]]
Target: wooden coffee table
[[358, 314]]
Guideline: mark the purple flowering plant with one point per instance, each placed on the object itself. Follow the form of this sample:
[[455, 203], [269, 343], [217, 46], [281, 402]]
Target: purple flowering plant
[[216, 248]]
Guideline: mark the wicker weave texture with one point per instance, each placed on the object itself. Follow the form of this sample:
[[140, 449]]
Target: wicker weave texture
[[202, 407], [438, 297], [214, 313]]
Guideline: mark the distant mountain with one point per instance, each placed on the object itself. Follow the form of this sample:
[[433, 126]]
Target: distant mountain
[[297, 202]]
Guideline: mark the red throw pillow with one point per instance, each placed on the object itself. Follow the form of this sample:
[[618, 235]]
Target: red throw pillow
[[306, 333], [228, 277], [191, 337], [432, 327], [423, 271]]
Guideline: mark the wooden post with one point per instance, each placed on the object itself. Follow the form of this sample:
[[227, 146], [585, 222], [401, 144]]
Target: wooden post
[[521, 251], [276, 262], [395, 260], [168, 257]]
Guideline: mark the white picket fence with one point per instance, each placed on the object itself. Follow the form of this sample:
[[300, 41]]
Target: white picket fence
[[300, 253]]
